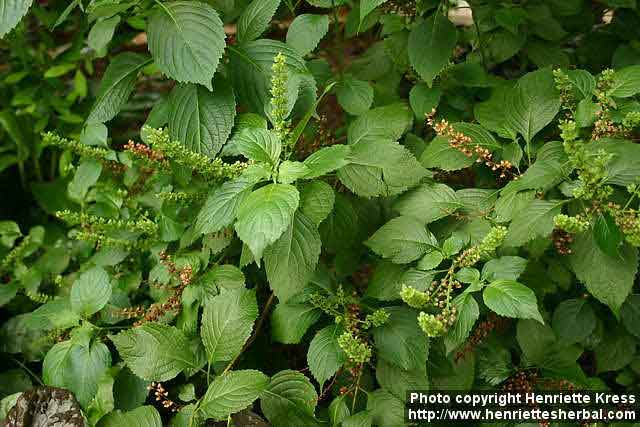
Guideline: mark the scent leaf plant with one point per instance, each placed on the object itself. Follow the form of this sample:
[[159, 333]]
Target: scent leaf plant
[[291, 213]]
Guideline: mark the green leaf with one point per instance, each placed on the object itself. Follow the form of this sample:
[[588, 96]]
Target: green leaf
[[143, 416], [607, 278], [380, 168], [367, 6], [291, 171], [626, 82], [467, 314], [186, 40], [431, 45], [630, 314], [101, 34], [440, 154], [221, 207], [505, 267], [400, 341], [116, 85], [327, 159], [316, 201], [86, 176], [154, 352], [386, 123], [292, 259], [11, 12], [431, 260], [385, 409], [511, 299], [290, 399], [574, 320], [385, 285], [402, 240], [227, 322], [428, 203], [265, 215], [354, 95], [77, 365], [255, 19], [536, 220], [306, 31], [361, 419], [607, 234], [533, 104], [399, 381], [90, 292], [325, 356], [338, 411], [257, 144], [423, 100], [535, 340], [202, 120], [231, 392], [615, 352], [289, 322]]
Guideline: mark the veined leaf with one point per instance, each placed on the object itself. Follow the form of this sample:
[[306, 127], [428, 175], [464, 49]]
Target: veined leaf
[[232, 392], [260, 145], [255, 19], [291, 399], [535, 220], [306, 31], [143, 416], [90, 292], [400, 342], [428, 203], [11, 12], [325, 355], [316, 201], [403, 239], [511, 299], [431, 45]]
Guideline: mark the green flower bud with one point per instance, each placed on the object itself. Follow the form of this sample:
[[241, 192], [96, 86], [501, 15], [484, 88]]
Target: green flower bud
[[413, 297]]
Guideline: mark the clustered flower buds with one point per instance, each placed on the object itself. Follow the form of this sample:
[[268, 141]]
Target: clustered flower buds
[[162, 396], [571, 224], [486, 247], [76, 147], [279, 100], [430, 324], [356, 349]]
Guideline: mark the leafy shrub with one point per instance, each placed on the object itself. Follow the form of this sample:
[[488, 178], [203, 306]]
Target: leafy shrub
[[234, 210]]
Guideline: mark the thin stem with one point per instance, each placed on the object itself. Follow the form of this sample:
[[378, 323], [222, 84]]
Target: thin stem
[[23, 366], [355, 392], [480, 45]]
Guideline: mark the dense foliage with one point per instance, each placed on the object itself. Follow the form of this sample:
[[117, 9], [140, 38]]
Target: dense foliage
[[292, 212]]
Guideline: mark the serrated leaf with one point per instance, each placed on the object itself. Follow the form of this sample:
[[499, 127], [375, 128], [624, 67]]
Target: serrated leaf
[[607, 278], [505, 267], [573, 320], [431, 45], [306, 31], [607, 234], [290, 399], [289, 322], [143, 416], [327, 159], [255, 19], [400, 341], [428, 202], [200, 119], [116, 85], [260, 145], [186, 40], [354, 95], [387, 123], [154, 352], [11, 12], [630, 314], [626, 82], [316, 201], [90, 292], [292, 259], [231, 392], [423, 99], [402, 240], [291, 171], [399, 381], [227, 322], [511, 299], [265, 215], [535, 220], [467, 314], [325, 356], [439, 154]]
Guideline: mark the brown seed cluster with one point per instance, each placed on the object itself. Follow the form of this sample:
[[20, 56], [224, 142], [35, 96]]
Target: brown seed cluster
[[465, 145], [162, 396], [144, 151], [562, 241], [603, 126], [481, 332], [324, 138]]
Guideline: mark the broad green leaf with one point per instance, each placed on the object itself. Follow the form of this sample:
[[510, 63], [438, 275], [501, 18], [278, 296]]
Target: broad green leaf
[[265, 215], [400, 342], [231, 392], [630, 314], [385, 409], [94, 134], [511, 299], [505, 267], [200, 119], [441, 155], [574, 320], [221, 207], [431, 260], [186, 40], [467, 314], [626, 82], [510, 204], [338, 411], [386, 123], [622, 169], [306, 31], [424, 99], [143, 416], [11, 12], [116, 85], [154, 352], [290, 399], [380, 168], [101, 34], [227, 322], [402, 240], [86, 176], [292, 259], [354, 95], [535, 340], [327, 160], [90, 292], [255, 19], [535, 220], [431, 45], [260, 145], [607, 234], [361, 419], [290, 321], [291, 171], [428, 203], [316, 201], [533, 104], [77, 365], [385, 284], [325, 356], [607, 278], [542, 175], [583, 82], [326, 3], [398, 381], [367, 6], [615, 352]]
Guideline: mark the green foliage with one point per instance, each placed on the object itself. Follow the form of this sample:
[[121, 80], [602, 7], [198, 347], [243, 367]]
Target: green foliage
[[299, 210]]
